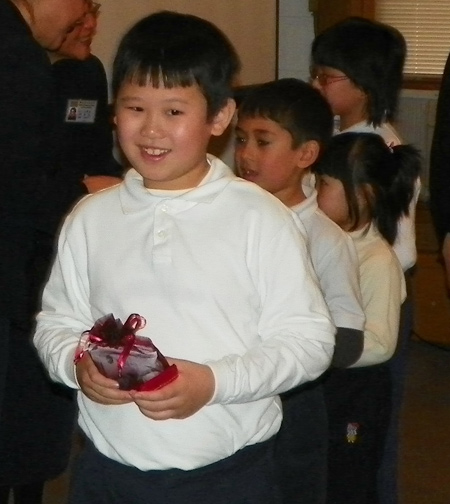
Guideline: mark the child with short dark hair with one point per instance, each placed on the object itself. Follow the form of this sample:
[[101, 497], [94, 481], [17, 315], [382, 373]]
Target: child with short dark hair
[[215, 265], [365, 187], [282, 128]]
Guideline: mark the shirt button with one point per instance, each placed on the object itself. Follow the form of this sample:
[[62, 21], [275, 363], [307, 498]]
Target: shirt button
[[164, 208], [162, 233]]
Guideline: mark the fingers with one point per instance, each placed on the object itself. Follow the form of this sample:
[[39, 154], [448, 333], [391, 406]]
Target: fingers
[[181, 398], [160, 406], [97, 387]]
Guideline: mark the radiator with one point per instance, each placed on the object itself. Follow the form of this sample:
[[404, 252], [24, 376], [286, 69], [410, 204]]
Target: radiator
[[415, 123]]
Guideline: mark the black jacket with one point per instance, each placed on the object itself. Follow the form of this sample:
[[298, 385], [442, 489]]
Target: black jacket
[[440, 160], [84, 138], [36, 416]]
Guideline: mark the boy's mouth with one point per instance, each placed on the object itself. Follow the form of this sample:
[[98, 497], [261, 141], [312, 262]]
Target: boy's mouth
[[246, 174], [155, 151]]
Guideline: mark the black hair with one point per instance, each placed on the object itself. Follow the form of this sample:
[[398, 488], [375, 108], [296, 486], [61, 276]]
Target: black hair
[[172, 49], [372, 55], [385, 175], [292, 103]]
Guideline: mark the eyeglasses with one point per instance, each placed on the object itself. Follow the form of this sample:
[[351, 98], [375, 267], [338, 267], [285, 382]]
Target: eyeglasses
[[324, 79], [93, 10]]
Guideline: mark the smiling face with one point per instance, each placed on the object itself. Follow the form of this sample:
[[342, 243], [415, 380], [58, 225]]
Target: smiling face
[[78, 42], [52, 20], [164, 133], [264, 154]]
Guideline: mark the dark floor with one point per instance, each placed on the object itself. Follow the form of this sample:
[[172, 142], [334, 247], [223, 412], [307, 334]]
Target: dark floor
[[424, 467], [425, 427], [425, 439]]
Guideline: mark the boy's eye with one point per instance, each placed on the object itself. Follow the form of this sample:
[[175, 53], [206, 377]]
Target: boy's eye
[[263, 143], [135, 109], [174, 112], [239, 140]]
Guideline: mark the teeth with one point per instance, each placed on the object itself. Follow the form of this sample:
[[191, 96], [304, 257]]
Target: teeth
[[156, 152]]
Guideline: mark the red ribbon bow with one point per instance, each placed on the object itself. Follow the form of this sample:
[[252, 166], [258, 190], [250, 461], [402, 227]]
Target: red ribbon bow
[[110, 332]]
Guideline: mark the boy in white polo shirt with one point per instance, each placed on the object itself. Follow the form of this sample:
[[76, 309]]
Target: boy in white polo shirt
[[215, 265], [281, 130]]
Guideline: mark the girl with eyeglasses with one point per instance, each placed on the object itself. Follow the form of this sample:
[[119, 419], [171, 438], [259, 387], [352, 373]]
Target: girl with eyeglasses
[[357, 65]]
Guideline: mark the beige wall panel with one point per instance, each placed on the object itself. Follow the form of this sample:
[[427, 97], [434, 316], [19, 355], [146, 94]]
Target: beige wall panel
[[250, 25]]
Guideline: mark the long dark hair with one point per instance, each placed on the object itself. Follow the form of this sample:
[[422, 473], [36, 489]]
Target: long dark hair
[[386, 176]]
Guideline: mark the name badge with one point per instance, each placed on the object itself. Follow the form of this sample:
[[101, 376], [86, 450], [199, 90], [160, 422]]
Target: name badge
[[81, 111]]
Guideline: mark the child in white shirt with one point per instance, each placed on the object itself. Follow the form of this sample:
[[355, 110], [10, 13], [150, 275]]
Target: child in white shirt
[[215, 265], [281, 129]]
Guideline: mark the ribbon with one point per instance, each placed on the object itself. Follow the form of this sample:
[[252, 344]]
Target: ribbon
[[110, 332]]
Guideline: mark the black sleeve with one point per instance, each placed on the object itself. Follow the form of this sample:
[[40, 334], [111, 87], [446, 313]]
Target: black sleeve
[[348, 348], [440, 159], [27, 117]]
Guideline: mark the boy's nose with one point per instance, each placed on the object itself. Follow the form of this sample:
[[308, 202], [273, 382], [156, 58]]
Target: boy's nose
[[243, 160], [151, 128], [245, 152], [315, 83]]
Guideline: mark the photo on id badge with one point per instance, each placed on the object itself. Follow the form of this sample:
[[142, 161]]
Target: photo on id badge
[[81, 111]]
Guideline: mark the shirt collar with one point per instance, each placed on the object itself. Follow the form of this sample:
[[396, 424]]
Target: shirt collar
[[135, 197]]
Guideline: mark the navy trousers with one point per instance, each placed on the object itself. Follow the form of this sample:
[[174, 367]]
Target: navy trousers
[[247, 477], [301, 446], [359, 405]]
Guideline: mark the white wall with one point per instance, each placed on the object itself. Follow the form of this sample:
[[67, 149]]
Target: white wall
[[296, 33]]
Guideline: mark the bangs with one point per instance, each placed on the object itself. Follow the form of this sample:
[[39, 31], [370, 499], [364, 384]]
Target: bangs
[[157, 76]]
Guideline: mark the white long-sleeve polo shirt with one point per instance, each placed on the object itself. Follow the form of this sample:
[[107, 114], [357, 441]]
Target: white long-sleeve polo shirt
[[335, 261], [222, 276]]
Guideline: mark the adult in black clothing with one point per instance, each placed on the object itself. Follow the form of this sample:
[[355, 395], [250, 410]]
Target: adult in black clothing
[[440, 170], [84, 132], [36, 416]]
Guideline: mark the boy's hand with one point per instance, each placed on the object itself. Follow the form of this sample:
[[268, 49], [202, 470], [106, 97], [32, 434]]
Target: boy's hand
[[189, 392], [96, 183], [96, 386]]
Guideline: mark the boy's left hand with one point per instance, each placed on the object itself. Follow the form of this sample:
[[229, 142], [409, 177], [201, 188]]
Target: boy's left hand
[[189, 392], [96, 183]]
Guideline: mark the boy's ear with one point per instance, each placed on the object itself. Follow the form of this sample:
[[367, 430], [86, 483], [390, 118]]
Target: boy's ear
[[223, 118], [308, 154]]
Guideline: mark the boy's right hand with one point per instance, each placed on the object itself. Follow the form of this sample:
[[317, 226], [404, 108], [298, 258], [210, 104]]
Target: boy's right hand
[[96, 386]]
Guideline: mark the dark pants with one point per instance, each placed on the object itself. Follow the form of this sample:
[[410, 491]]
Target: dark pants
[[247, 477], [4, 342], [358, 404], [301, 446]]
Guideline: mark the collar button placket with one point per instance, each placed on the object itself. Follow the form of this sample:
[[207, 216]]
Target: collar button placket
[[162, 250]]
